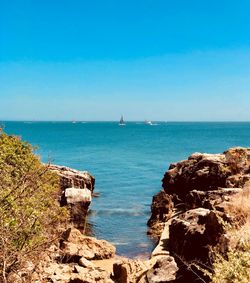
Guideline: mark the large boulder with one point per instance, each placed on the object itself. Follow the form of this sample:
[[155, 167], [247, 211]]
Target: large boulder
[[130, 271], [164, 270], [193, 233], [76, 245], [200, 172], [155, 270]]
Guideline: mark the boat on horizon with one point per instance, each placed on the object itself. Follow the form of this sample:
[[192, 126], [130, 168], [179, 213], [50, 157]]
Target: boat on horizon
[[122, 123], [147, 122]]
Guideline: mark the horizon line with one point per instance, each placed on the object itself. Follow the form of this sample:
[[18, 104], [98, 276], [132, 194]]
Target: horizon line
[[129, 121]]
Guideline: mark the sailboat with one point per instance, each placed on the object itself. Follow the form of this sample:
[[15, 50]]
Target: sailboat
[[122, 123]]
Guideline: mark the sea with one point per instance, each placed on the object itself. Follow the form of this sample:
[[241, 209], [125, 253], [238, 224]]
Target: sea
[[128, 163]]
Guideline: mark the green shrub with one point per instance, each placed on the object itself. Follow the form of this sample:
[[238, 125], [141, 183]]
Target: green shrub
[[236, 269], [30, 215]]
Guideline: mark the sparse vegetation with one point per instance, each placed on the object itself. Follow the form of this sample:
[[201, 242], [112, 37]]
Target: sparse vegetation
[[29, 212], [236, 267]]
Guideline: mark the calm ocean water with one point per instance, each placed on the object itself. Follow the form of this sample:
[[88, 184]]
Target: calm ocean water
[[128, 164]]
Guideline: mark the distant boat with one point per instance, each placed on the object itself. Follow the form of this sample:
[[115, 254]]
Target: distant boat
[[122, 123], [147, 122]]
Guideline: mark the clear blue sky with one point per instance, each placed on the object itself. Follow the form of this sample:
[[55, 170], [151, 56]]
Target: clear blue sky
[[145, 59]]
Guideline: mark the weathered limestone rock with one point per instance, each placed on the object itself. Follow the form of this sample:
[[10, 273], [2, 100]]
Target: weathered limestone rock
[[74, 195], [76, 192], [72, 178], [76, 245], [130, 271], [164, 270], [209, 199], [66, 273], [157, 269], [203, 180], [85, 263], [161, 209], [193, 233], [206, 172], [200, 172]]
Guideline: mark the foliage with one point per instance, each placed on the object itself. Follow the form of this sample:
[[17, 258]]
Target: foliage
[[29, 212], [236, 267]]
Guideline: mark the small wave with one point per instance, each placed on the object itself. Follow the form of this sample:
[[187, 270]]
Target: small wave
[[119, 243], [120, 211]]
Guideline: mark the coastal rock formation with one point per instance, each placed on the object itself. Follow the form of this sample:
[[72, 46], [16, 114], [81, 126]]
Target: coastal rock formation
[[155, 270], [161, 210], [76, 192], [209, 199], [72, 260], [66, 273], [130, 271], [76, 245], [190, 209], [73, 178], [203, 180], [164, 270], [206, 172], [194, 232]]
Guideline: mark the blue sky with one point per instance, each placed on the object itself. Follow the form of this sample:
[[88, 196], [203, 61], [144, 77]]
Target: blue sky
[[146, 59]]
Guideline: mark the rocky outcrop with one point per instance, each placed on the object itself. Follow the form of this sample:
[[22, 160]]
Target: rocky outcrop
[[76, 192], [206, 172], [161, 210], [203, 180], [209, 199], [72, 260], [164, 270], [76, 245], [191, 209], [155, 270], [194, 232], [73, 178], [66, 273]]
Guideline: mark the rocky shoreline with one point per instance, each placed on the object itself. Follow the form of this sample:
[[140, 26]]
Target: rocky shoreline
[[188, 219], [191, 211]]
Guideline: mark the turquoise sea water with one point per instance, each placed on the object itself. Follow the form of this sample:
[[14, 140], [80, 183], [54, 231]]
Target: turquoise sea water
[[128, 164]]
